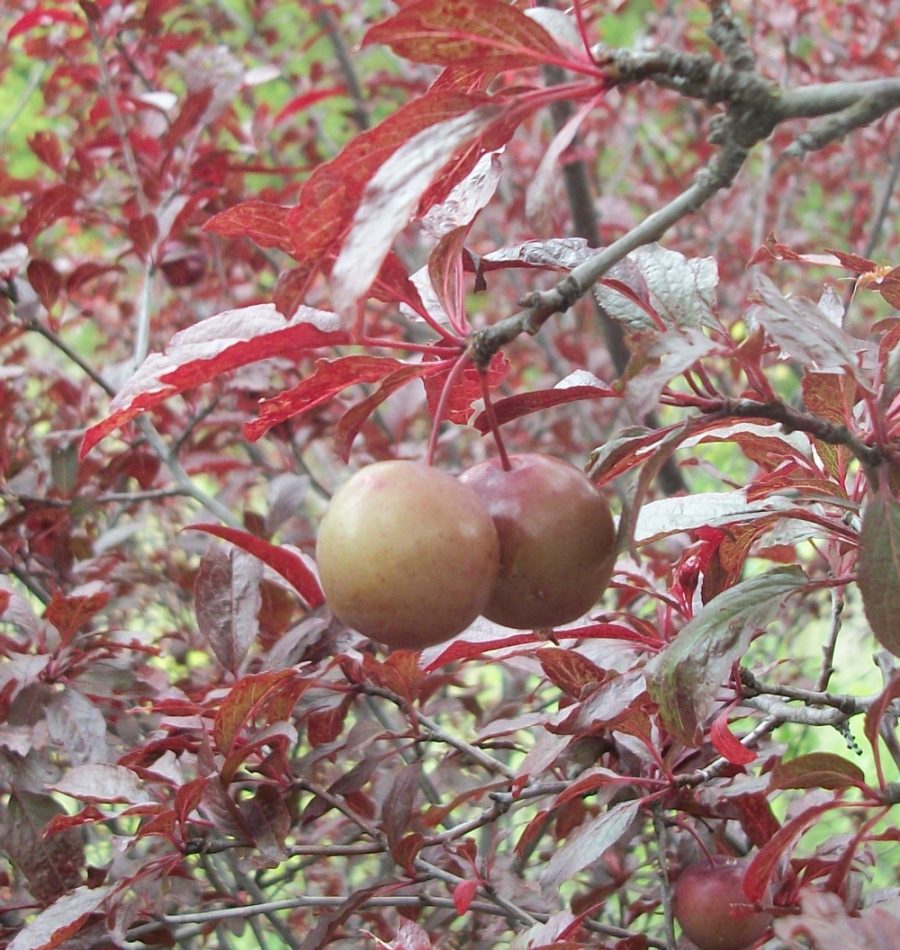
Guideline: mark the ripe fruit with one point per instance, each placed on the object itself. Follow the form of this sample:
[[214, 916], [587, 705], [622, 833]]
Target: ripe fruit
[[703, 899], [407, 554], [557, 540]]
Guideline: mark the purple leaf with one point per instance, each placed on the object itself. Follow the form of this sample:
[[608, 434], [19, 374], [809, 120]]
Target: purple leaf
[[686, 677], [227, 599]]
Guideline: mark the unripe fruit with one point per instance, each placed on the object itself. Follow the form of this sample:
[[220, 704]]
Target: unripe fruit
[[557, 540], [407, 554], [703, 898]]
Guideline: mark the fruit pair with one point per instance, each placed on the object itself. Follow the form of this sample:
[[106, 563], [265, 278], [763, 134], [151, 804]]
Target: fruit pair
[[410, 556]]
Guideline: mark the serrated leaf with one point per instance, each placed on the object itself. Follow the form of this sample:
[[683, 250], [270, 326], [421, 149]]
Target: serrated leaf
[[588, 844], [802, 330], [391, 197], [214, 346], [491, 34], [227, 599], [327, 379], [879, 568], [657, 519], [244, 700], [681, 290], [264, 223], [282, 560], [686, 677], [569, 670], [816, 770], [331, 195]]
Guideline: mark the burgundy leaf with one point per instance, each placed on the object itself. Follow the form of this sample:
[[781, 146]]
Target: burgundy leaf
[[523, 404], [51, 205], [45, 280], [466, 389], [330, 196], [817, 770], [101, 783], [214, 346], [245, 700], [285, 562], [879, 567], [761, 868], [227, 599], [588, 843]]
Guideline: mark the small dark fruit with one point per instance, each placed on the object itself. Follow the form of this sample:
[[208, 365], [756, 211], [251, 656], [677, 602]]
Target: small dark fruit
[[407, 554], [708, 904], [557, 540]]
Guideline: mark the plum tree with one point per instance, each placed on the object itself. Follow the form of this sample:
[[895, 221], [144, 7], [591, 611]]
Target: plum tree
[[707, 899], [407, 554], [557, 539]]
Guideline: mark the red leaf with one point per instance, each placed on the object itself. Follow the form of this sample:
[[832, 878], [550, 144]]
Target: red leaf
[[353, 419], [463, 895], [727, 745], [41, 16], [761, 868], [143, 232], [45, 280], [466, 389], [305, 100], [53, 926], [523, 404], [491, 34], [569, 670], [70, 614], [214, 346], [393, 192], [49, 206], [266, 224], [330, 196], [47, 148], [245, 700], [445, 268], [328, 379], [283, 561], [879, 568]]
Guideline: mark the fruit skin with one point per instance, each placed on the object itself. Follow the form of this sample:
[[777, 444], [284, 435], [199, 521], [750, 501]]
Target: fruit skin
[[703, 897], [407, 554], [557, 540]]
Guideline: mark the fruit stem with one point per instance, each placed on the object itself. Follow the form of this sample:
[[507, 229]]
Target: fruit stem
[[442, 407], [492, 420]]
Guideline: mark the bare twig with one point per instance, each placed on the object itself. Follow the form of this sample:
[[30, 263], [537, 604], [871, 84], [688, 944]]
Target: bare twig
[[659, 828], [440, 735]]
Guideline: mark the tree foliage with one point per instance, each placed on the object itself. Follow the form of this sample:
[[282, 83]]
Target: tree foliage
[[247, 249]]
